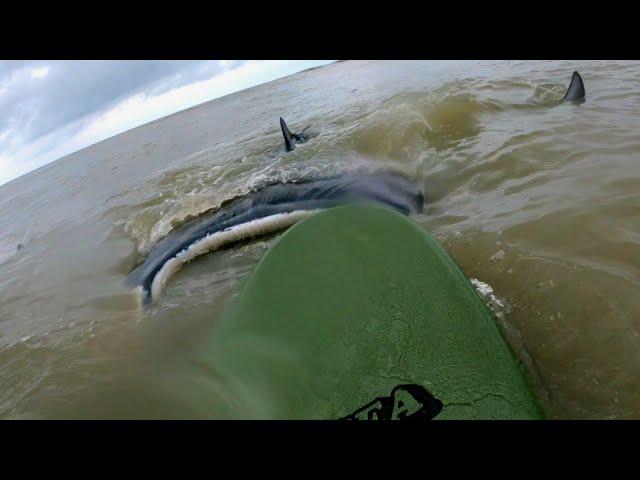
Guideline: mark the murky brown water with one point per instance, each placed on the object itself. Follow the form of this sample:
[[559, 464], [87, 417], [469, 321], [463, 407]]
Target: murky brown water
[[539, 200]]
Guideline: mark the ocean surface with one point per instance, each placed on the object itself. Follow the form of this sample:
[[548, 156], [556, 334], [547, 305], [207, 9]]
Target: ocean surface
[[537, 201]]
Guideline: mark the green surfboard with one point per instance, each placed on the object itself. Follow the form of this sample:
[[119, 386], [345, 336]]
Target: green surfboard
[[355, 313]]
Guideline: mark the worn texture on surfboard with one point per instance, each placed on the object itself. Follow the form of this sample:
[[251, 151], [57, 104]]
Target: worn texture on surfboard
[[348, 305]]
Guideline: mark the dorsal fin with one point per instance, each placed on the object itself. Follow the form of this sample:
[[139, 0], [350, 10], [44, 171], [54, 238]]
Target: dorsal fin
[[288, 136], [576, 91]]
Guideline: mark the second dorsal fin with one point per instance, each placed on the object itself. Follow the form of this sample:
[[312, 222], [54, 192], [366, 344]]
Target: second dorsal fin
[[289, 138], [575, 92]]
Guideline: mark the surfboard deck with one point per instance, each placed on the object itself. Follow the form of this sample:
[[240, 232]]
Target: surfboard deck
[[348, 312]]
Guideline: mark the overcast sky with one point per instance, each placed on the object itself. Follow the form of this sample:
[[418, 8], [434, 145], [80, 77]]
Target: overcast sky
[[49, 109]]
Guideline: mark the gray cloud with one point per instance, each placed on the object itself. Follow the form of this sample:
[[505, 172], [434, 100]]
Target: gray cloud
[[33, 104], [49, 109]]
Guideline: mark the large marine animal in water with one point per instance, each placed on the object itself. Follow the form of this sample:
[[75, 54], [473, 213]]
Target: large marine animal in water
[[272, 208], [277, 206]]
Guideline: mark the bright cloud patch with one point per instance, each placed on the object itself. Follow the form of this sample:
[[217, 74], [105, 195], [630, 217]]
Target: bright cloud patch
[[40, 72]]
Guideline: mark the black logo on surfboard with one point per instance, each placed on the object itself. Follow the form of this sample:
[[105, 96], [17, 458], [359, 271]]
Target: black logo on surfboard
[[406, 402]]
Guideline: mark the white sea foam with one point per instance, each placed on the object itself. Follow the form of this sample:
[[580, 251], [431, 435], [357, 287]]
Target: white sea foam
[[497, 306]]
